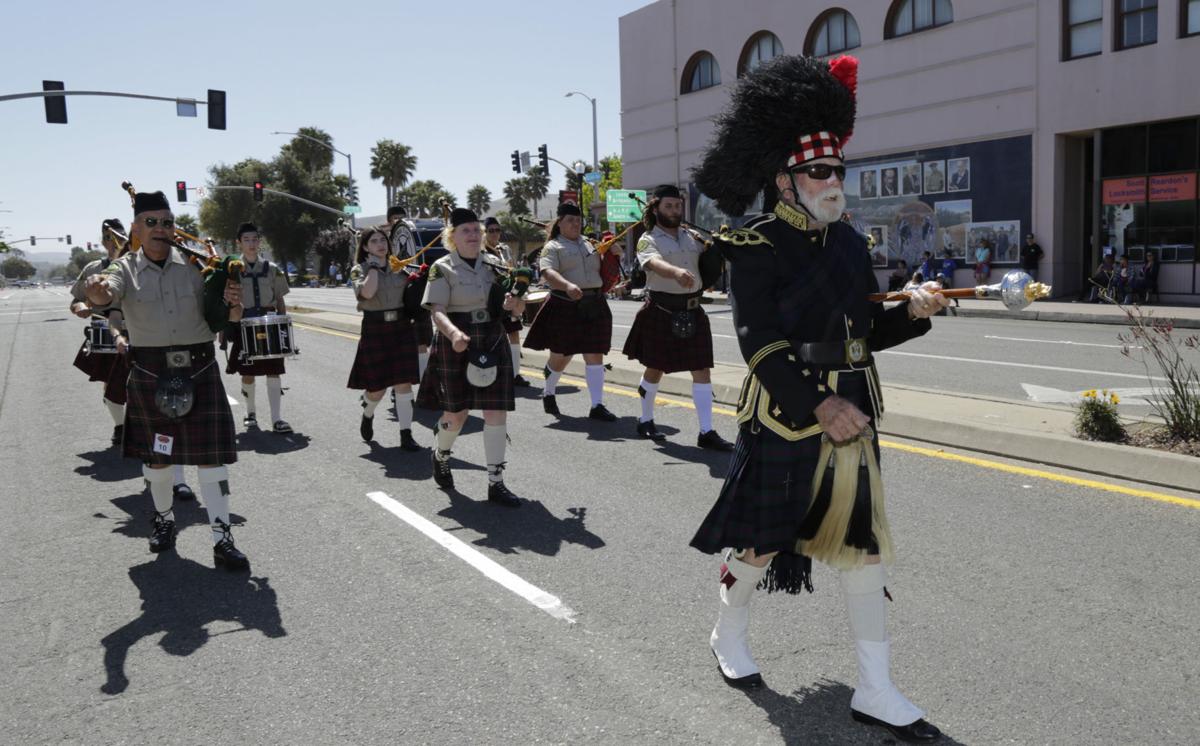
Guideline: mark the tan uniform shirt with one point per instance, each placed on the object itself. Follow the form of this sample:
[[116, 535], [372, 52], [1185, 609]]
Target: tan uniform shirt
[[456, 285], [91, 268], [389, 292], [577, 261], [164, 305], [683, 252], [271, 287]]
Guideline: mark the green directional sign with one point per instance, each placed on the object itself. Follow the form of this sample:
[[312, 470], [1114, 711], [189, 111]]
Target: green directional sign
[[352, 209], [622, 205]]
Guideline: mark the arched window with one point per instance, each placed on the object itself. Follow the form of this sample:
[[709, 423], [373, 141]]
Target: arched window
[[910, 16], [762, 46], [834, 31], [701, 71]]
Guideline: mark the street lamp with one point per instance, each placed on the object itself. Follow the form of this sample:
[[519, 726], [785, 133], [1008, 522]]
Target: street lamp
[[322, 143], [595, 147]]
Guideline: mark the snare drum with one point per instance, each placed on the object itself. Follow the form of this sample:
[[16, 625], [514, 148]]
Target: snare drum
[[267, 338], [533, 302], [98, 338]]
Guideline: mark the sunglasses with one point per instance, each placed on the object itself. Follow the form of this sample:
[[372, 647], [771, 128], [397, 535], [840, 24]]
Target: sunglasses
[[493, 230], [164, 222], [821, 171]]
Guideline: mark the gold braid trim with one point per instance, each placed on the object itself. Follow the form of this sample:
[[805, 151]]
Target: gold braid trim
[[743, 237], [767, 350], [791, 216]]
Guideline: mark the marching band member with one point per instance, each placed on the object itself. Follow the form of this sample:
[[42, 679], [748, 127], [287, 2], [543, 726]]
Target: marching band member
[[804, 480], [471, 366], [671, 332], [177, 411], [263, 288], [575, 318], [512, 325], [99, 366], [387, 346]]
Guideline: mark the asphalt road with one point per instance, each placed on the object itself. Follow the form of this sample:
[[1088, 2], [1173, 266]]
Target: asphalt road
[[1024, 360], [1029, 607]]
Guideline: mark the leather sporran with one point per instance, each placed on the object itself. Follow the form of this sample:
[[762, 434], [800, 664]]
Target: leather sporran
[[683, 324]]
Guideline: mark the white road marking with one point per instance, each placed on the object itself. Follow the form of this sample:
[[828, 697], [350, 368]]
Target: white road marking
[[31, 312], [1007, 364], [232, 402], [1048, 395], [547, 602], [1057, 342]]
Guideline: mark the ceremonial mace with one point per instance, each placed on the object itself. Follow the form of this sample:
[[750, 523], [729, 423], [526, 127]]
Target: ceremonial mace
[[1016, 291]]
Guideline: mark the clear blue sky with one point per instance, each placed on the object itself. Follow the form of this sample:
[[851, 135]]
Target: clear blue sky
[[463, 84]]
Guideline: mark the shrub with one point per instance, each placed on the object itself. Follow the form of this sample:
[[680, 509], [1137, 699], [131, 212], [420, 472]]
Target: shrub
[[1096, 417]]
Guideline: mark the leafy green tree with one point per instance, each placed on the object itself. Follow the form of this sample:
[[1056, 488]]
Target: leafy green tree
[[393, 163], [333, 245], [611, 167], [537, 186], [425, 198], [80, 259], [311, 156], [17, 268], [223, 210], [60, 270], [517, 229], [290, 226], [188, 224], [516, 193], [479, 199]]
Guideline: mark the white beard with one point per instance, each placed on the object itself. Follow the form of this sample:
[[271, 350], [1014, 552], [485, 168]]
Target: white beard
[[824, 210]]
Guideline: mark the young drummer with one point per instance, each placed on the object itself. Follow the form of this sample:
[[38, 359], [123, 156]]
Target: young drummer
[[263, 288], [387, 345], [471, 365]]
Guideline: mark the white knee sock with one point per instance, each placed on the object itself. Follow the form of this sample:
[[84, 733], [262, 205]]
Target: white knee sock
[[702, 397], [248, 394], [595, 383], [515, 349], [863, 589], [274, 396], [422, 363], [159, 482], [552, 383], [177, 474], [404, 409], [369, 410], [214, 489], [116, 411], [445, 439], [495, 438], [651, 391]]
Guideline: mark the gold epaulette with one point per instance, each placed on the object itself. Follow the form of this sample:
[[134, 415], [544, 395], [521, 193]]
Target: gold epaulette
[[743, 237]]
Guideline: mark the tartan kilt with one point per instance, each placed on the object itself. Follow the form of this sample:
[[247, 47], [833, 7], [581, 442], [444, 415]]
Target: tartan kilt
[[386, 356], [273, 367], [424, 328], [652, 344], [115, 387], [445, 387], [204, 436], [97, 366], [511, 325], [559, 328]]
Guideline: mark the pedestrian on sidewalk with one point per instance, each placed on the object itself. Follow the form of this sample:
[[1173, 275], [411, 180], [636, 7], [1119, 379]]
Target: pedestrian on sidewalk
[[1031, 254], [804, 480], [899, 276], [983, 261]]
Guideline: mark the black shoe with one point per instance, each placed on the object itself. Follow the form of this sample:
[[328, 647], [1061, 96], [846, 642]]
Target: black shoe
[[225, 553], [919, 731], [406, 441], [713, 441], [162, 535], [753, 681], [281, 427], [118, 435], [498, 493], [520, 382], [648, 430], [366, 428], [249, 421], [550, 404], [441, 471], [182, 492], [599, 412]]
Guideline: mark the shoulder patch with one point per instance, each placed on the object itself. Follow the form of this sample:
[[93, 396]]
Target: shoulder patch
[[645, 243], [743, 237], [436, 270]]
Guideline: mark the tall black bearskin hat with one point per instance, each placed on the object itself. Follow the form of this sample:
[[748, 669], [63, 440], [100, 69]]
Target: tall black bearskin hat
[[784, 113]]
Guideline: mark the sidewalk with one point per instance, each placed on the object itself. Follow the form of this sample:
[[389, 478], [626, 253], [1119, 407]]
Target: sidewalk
[[1039, 433]]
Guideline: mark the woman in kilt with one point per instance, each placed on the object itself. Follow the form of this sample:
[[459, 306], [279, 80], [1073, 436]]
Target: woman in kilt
[[575, 319], [804, 480], [671, 332], [470, 363], [387, 344]]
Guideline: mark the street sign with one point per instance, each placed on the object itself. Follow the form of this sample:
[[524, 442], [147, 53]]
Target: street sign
[[352, 209], [622, 207], [593, 177]]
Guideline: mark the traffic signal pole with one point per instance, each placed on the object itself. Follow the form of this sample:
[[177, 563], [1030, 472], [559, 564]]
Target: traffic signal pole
[[276, 192]]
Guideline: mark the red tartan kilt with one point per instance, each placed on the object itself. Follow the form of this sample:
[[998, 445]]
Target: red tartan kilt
[[445, 387], [387, 355], [97, 366], [273, 367], [652, 344], [559, 328], [424, 327], [115, 388], [205, 436]]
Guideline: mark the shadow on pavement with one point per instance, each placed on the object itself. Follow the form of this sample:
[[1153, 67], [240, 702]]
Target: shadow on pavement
[[108, 465], [530, 528], [180, 597], [138, 508], [683, 448], [268, 442]]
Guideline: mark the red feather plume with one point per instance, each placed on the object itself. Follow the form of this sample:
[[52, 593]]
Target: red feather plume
[[845, 69]]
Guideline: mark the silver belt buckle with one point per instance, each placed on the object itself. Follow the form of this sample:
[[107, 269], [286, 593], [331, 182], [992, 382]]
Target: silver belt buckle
[[480, 316], [391, 315], [693, 303], [179, 359], [856, 350]]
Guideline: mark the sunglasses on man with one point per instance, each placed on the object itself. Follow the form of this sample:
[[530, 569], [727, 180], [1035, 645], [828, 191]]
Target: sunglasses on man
[[821, 171], [153, 222]]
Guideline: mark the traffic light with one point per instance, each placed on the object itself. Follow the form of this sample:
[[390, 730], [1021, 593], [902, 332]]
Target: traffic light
[[516, 161], [89, 246], [258, 191], [181, 191], [216, 109], [68, 238], [56, 106], [33, 240], [544, 159]]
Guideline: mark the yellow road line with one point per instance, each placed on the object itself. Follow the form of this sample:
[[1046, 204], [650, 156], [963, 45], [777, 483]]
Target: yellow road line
[[931, 453]]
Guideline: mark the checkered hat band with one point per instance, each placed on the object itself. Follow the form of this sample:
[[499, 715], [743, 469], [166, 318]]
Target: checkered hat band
[[817, 145]]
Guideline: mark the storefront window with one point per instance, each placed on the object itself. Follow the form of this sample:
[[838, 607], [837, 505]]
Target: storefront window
[[1173, 230], [1123, 151], [1173, 146]]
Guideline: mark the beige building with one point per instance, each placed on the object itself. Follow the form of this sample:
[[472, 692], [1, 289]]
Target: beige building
[[1075, 120]]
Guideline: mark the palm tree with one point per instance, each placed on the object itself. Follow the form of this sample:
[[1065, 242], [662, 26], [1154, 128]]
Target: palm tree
[[538, 185], [516, 193], [479, 199], [394, 164]]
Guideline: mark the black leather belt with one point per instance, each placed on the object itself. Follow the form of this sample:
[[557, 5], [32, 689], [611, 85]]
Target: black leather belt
[[847, 352], [675, 301], [175, 356], [477, 316], [586, 293], [392, 314]]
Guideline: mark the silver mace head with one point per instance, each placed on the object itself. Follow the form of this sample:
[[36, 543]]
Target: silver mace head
[[1016, 291]]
